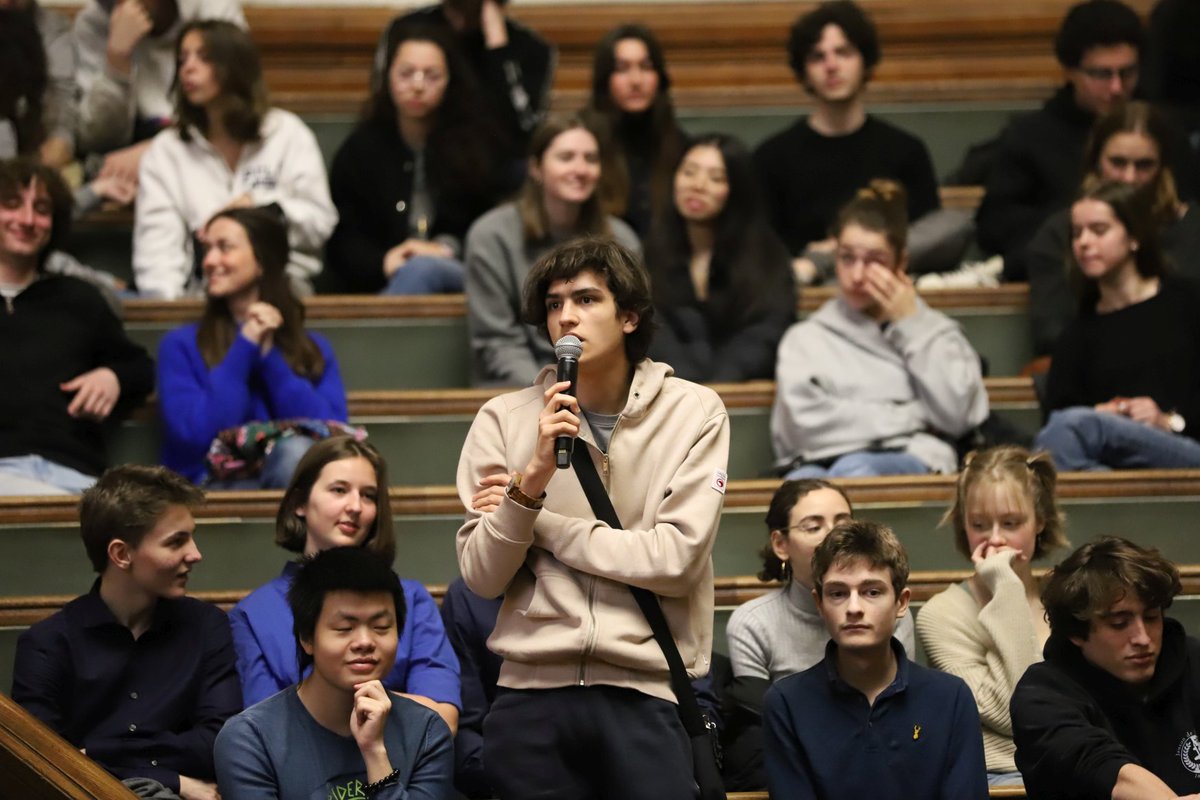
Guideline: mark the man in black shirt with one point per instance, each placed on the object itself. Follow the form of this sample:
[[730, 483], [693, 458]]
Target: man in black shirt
[[813, 168], [134, 673], [1113, 711], [1039, 162], [69, 368]]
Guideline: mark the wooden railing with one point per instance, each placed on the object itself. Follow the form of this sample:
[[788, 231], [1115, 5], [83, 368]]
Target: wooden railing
[[38, 764]]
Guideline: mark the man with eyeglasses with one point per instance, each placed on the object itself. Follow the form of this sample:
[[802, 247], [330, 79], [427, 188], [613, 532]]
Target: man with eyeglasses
[[1038, 165]]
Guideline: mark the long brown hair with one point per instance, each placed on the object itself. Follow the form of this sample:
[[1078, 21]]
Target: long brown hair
[[1141, 118], [530, 202], [238, 71], [267, 233], [663, 133]]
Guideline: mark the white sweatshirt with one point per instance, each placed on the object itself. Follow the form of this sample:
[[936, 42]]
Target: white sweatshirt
[[182, 184], [109, 104]]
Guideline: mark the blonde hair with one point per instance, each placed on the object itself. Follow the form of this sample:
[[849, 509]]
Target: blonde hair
[[1033, 473]]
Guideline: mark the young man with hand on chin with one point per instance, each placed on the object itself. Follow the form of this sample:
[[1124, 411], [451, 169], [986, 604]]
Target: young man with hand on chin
[[584, 707], [134, 673], [339, 733], [865, 721], [1113, 711]]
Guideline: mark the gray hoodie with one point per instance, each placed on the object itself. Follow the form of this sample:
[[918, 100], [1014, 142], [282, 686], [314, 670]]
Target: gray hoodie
[[845, 383]]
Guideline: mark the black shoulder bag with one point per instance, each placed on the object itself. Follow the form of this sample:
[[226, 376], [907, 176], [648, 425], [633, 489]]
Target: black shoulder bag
[[701, 731]]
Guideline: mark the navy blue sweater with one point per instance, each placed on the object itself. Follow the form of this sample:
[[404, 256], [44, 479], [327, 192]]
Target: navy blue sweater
[[921, 738]]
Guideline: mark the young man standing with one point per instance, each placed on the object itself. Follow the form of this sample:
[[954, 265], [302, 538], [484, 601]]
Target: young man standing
[[338, 733], [134, 673], [585, 708], [810, 170], [1114, 710], [74, 370], [867, 722]]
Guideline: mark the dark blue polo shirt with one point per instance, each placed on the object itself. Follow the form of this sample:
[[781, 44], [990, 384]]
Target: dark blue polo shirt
[[921, 738], [150, 707]]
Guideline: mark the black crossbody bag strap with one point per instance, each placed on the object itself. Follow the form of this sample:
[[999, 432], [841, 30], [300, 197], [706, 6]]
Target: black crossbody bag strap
[[689, 710]]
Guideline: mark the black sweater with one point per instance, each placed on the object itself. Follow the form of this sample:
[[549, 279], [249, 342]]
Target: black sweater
[[371, 182], [515, 79], [1053, 304], [56, 330], [1075, 725], [807, 177], [1151, 348]]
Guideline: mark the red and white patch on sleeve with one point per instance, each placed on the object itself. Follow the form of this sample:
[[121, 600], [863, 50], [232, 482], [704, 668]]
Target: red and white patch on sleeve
[[719, 480]]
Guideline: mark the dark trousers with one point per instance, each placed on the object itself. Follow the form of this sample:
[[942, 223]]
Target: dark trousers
[[586, 743]]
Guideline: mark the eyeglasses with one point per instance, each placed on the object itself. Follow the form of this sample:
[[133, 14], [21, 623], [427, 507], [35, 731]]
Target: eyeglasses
[[430, 76], [1106, 74]]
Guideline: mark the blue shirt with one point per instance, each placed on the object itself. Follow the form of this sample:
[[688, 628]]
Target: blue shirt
[[276, 749], [921, 738], [266, 646], [196, 403], [149, 707]]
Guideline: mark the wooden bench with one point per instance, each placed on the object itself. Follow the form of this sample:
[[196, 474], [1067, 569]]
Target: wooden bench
[[421, 342], [434, 422], [40, 551]]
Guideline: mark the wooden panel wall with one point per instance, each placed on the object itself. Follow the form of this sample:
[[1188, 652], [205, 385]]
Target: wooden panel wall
[[721, 54]]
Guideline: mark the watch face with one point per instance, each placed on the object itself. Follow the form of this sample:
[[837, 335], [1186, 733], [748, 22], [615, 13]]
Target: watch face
[[1177, 423]]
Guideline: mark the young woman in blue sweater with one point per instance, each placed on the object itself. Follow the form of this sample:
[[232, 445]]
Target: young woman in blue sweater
[[249, 358]]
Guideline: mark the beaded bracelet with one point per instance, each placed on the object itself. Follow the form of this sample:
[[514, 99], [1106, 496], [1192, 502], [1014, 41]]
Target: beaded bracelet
[[371, 788]]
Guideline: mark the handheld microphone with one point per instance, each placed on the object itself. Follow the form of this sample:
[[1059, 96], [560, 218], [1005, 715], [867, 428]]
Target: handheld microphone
[[567, 350]]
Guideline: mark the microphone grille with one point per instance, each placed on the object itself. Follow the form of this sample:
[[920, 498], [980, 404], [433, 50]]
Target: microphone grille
[[568, 347]]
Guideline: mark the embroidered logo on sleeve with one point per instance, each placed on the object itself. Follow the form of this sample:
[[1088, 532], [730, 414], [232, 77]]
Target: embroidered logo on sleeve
[[719, 480], [1189, 753]]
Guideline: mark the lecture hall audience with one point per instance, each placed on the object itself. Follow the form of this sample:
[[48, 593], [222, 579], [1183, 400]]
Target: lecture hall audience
[[233, 201], [135, 647], [338, 497], [512, 64], [1129, 144], [1124, 385], [782, 632], [226, 148]]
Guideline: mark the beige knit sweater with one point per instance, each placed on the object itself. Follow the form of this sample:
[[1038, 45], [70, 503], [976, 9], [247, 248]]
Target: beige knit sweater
[[989, 648]]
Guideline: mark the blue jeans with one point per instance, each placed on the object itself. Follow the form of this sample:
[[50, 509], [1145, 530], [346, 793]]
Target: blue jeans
[[427, 275], [277, 469], [1082, 438], [34, 475], [863, 464]]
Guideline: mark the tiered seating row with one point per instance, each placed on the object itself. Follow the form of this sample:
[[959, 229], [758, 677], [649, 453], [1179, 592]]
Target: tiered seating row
[[720, 56], [40, 551], [434, 424], [421, 342]]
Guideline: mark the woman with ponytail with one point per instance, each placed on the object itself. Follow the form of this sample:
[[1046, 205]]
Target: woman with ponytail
[[991, 627], [875, 382]]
